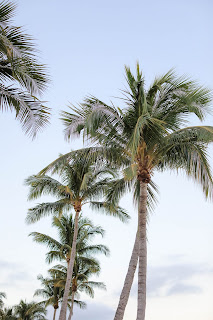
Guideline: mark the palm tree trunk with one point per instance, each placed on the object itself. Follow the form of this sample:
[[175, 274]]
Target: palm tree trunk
[[142, 219], [54, 313], [72, 304], [69, 271], [128, 282]]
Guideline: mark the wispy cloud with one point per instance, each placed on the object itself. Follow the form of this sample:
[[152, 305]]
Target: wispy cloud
[[173, 279], [11, 274], [182, 288]]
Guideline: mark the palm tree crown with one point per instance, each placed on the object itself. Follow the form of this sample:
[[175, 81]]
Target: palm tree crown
[[149, 132], [30, 311], [61, 249], [81, 183]]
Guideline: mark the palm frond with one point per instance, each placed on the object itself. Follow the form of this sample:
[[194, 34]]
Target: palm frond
[[30, 111], [45, 209], [110, 209]]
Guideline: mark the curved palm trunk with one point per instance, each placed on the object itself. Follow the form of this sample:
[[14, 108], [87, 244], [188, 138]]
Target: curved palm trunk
[[128, 281], [72, 304], [69, 271], [142, 219], [54, 313]]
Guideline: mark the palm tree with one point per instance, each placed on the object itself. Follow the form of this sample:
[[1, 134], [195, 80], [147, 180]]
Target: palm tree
[[30, 311], [83, 270], [51, 291], [52, 294], [82, 183], [146, 136], [22, 78], [2, 295], [7, 314], [61, 250]]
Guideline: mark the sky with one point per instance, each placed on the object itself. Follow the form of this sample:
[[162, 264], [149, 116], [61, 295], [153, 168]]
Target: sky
[[85, 45]]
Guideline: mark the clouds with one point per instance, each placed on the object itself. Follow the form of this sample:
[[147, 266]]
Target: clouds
[[12, 274], [181, 288], [173, 279]]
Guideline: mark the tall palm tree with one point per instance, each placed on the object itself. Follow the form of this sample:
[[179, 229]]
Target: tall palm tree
[[30, 311], [22, 78], [82, 183], [148, 135]]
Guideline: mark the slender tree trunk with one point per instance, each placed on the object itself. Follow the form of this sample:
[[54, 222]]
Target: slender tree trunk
[[69, 271], [142, 218], [72, 304], [128, 282], [54, 313]]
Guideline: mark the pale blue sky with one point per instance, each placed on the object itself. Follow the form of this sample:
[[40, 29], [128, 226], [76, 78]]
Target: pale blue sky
[[86, 45]]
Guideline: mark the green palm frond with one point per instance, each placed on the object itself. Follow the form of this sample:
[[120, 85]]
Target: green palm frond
[[95, 249], [44, 185], [81, 304], [29, 110], [48, 241], [116, 189], [7, 11], [45, 209], [110, 209], [22, 77]]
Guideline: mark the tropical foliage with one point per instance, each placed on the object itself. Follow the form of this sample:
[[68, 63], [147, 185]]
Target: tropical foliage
[[2, 296], [7, 314], [85, 264], [82, 183], [83, 270], [50, 292], [61, 249], [22, 78], [125, 148], [147, 135], [30, 311]]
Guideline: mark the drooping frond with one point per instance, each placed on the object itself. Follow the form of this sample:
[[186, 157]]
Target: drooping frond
[[30, 111], [48, 241], [110, 209], [91, 249], [44, 185], [22, 76], [45, 209], [186, 150]]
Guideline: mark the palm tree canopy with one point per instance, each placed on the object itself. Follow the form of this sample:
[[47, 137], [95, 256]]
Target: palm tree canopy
[[30, 311], [7, 314], [51, 293], [83, 270], [61, 249], [81, 183], [149, 134], [22, 78]]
